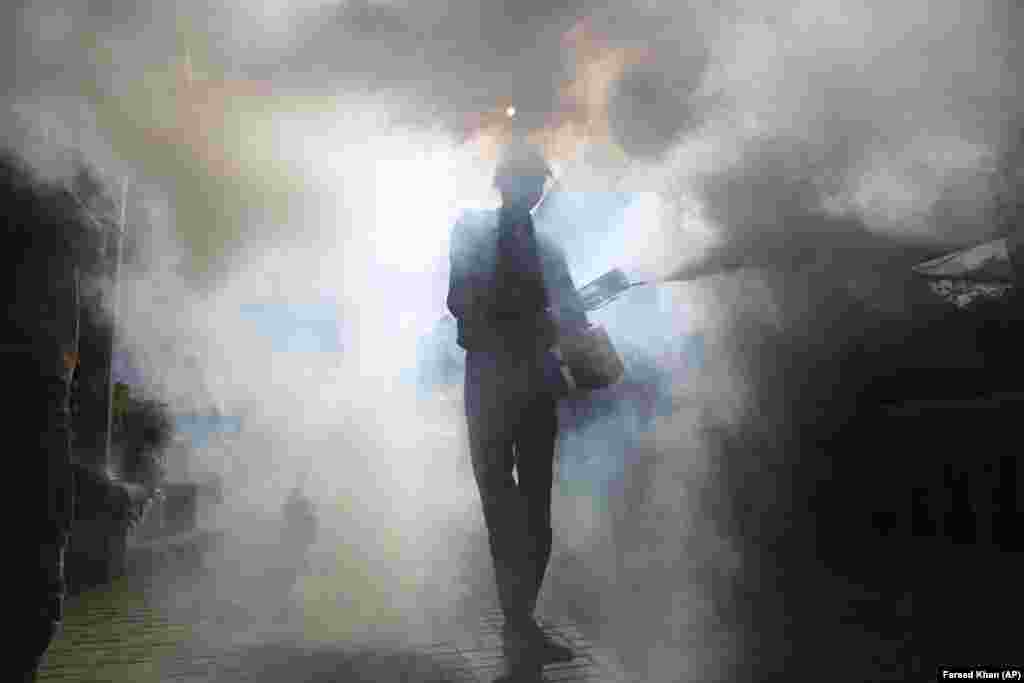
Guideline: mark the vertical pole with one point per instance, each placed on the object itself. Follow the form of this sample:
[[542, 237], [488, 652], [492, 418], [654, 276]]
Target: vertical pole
[[113, 331], [78, 321]]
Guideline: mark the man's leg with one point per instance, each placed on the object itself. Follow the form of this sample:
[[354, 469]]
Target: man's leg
[[535, 452], [490, 405]]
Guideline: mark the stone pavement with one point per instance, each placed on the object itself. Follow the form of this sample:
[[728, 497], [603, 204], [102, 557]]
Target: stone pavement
[[156, 630]]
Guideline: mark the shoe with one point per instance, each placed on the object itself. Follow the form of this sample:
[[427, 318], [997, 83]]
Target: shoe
[[518, 648], [528, 642]]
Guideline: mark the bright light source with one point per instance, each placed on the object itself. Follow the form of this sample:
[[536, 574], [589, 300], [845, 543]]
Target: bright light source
[[510, 111]]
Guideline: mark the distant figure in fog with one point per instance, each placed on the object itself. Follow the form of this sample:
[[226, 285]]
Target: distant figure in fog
[[298, 534], [300, 526], [510, 292]]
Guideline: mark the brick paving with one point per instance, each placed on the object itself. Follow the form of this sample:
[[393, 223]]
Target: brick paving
[[151, 630]]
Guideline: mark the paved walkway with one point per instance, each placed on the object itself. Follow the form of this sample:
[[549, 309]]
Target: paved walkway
[[187, 631]]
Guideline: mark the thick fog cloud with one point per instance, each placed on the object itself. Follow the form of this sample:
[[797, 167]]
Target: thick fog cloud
[[297, 154]]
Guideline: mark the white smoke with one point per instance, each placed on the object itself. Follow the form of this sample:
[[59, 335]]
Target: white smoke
[[889, 116]]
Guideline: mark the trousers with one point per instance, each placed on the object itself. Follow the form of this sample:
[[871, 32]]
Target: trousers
[[511, 412]]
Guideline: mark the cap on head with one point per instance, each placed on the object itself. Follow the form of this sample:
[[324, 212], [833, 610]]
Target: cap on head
[[520, 160]]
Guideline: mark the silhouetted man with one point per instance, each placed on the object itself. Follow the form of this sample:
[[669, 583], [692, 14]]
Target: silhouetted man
[[510, 290]]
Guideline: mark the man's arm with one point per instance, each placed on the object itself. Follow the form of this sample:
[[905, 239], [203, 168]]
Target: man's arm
[[466, 291]]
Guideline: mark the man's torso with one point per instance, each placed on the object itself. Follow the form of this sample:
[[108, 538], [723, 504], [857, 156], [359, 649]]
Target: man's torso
[[528, 330]]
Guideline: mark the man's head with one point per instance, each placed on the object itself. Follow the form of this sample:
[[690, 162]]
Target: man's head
[[521, 175]]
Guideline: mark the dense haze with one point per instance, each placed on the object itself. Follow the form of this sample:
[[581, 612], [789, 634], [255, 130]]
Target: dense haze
[[314, 153]]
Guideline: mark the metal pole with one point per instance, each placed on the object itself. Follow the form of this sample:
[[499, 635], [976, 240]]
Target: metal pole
[[113, 330], [78, 320]]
